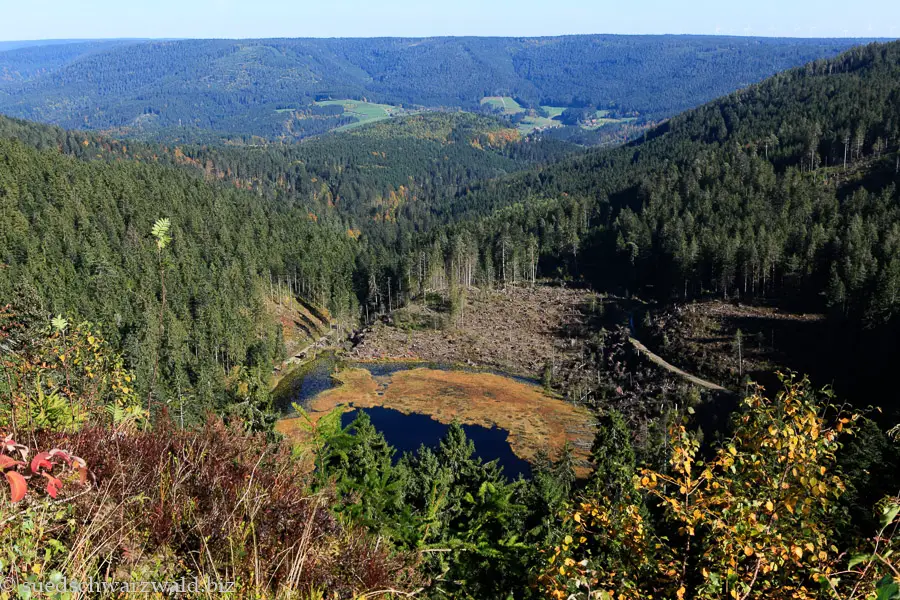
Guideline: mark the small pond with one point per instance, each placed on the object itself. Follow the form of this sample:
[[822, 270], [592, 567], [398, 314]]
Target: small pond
[[405, 432], [304, 383], [408, 432]]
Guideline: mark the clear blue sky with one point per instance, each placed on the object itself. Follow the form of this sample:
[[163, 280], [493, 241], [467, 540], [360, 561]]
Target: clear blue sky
[[46, 19]]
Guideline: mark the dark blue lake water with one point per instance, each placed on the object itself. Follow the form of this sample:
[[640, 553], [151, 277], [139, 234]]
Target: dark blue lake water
[[407, 433], [404, 432], [300, 387]]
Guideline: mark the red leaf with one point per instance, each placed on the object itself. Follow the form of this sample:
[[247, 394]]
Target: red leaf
[[62, 454], [82, 475], [17, 485], [41, 460], [9, 445], [6, 462], [53, 485]]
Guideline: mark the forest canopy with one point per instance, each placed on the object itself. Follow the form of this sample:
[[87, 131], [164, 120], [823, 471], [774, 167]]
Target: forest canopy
[[268, 87]]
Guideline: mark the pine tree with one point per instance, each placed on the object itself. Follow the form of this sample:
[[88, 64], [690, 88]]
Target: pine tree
[[613, 457]]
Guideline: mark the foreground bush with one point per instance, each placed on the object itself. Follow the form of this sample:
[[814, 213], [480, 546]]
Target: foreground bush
[[757, 519], [61, 376], [217, 503]]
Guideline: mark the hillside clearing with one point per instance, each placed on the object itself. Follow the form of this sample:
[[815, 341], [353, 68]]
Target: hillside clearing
[[504, 103], [364, 112], [519, 330]]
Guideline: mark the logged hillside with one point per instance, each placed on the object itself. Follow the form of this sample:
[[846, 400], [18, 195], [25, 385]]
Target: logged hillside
[[785, 192], [268, 87]]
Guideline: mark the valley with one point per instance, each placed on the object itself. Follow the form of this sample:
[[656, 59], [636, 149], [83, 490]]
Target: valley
[[600, 317], [185, 89]]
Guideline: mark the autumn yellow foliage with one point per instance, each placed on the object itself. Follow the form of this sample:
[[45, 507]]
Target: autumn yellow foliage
[[754, 520]]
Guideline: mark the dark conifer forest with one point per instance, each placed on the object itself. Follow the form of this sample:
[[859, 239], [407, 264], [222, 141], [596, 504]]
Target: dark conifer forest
[[268, 87]]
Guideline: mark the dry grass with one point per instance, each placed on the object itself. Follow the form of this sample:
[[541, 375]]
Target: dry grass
[[216, 502]]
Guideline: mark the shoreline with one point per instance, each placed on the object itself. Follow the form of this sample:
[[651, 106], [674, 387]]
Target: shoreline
[[533, 420]]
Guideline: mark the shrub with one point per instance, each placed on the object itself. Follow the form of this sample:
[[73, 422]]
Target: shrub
[[30, 523], [60, 376], [221, 503], [19, 472], [754, 521]]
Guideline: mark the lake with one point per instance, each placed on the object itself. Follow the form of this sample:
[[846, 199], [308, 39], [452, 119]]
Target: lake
[[509, 419], [408, 432]]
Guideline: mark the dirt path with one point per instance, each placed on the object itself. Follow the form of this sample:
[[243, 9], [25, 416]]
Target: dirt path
[[655, 358]]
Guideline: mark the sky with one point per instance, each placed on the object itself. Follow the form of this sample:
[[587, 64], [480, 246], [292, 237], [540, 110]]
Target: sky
[[67, 19]]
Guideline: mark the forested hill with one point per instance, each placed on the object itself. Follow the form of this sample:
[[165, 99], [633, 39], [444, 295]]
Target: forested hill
[[76, 240], [404, 169], [399, 170], [268, 87], [322, 217], [784, 192], [828, 128], [25, 60]]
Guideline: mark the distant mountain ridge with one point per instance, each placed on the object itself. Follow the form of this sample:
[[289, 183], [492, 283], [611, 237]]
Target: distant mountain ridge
[[16, 44], [267, 87]]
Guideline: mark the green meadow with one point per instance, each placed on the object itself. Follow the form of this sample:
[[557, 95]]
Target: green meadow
[[364, 112]]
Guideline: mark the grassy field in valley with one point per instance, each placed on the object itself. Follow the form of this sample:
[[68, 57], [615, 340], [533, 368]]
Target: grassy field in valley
[[508, 105], [364, 112]]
